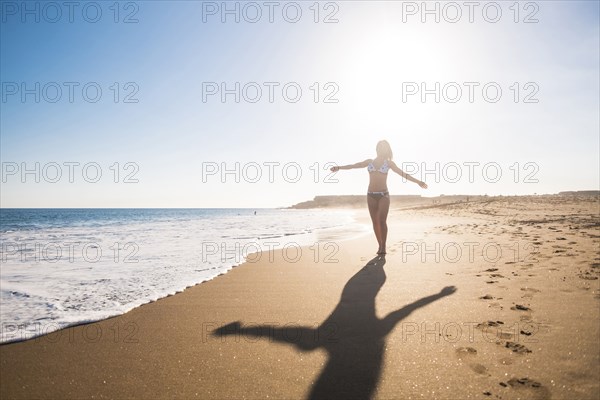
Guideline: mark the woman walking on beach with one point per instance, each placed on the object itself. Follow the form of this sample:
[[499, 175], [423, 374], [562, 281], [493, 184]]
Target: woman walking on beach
[[378, 197]]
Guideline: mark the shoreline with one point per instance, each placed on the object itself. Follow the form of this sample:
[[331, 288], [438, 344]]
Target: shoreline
[[349, 233], [307, 328]]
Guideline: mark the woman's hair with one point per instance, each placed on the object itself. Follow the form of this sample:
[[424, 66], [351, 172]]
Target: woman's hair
[[384, 150]]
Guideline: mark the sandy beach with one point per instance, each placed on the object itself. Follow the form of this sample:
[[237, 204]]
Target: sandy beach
[[489, 299]]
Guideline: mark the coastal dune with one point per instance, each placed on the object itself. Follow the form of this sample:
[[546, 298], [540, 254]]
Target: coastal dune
[[495, 298]]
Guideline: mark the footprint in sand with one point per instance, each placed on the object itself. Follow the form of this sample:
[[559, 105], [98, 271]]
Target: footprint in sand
[[529, 388], [495, 327], [489, 323], [519, 307], [479, 369], [529, 292], [506, 360], [517, 348], [468, 353], [525, 318], [465, 351], [505, 335], [587, 276]]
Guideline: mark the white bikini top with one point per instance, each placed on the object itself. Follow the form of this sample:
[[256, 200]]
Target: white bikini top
[[383, 169]]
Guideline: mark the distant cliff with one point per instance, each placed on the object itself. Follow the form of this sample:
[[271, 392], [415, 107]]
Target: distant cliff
[[398, 201], [408, 201], [581, 193]]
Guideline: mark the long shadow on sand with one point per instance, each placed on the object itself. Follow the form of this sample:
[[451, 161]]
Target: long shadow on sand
[[353, 336]]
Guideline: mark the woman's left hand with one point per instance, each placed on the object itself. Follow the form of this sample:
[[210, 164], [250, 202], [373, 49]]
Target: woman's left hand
[[423, 185]]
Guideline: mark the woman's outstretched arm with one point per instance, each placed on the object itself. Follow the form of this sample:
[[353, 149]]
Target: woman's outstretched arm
[[406, 176], [361, 164]]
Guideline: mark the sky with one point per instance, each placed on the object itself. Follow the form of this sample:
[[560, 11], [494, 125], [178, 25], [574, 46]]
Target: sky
[[247, 104]]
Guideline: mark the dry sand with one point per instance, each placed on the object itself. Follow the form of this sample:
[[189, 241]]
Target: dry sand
[[519, 319]]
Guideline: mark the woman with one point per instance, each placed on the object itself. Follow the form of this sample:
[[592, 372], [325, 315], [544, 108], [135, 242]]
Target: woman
[[378, 197]]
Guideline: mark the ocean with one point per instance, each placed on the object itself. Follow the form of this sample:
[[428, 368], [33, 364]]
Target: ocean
[[62, 267]]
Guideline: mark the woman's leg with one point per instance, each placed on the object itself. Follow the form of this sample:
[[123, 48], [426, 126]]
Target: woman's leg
[[374, 212], [382, 213]]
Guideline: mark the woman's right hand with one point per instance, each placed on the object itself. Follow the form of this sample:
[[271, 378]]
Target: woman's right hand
[[448, 290], [335, 169]]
